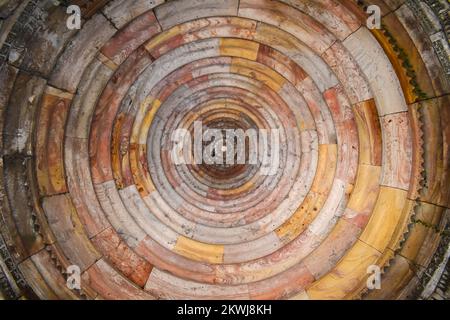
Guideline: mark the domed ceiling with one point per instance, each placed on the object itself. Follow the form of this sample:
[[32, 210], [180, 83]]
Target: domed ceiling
[[351, 201]]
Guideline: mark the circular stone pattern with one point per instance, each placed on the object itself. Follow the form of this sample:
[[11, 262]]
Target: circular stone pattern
[[354, 172]]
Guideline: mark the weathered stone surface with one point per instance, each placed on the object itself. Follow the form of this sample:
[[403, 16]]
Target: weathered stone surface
[[107, 107], [20, 29], [94, 79], [8, 7], [434, 115], [80, 52], [25, 229], [123, 258], [47, 42], [305, 29], [111, 285], [131, 37], [19, 116], [378, 70], [81, 187], [36, 281], [336, 19], [397, 151], [177, 288], [348, 73], [8, 75], [89, 7], [69, 231], [121, 12], [423, 43], [52, 275], [179, 11]]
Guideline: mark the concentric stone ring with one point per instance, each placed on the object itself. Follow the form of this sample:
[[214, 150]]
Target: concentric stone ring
[[339, 184]]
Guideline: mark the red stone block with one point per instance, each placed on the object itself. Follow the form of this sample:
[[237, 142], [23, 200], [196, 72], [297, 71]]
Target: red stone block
[[122, 257], [131, 37]]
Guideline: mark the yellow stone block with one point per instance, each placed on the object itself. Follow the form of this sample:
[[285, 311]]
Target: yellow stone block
[[143, 183], [239, 48], [326, 169], [162, 38], [366, 189], [348, 277], [369, 132], [115, 150], [402, 225], [199, 251], [148, 119], [143, 107], [385, 217]]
